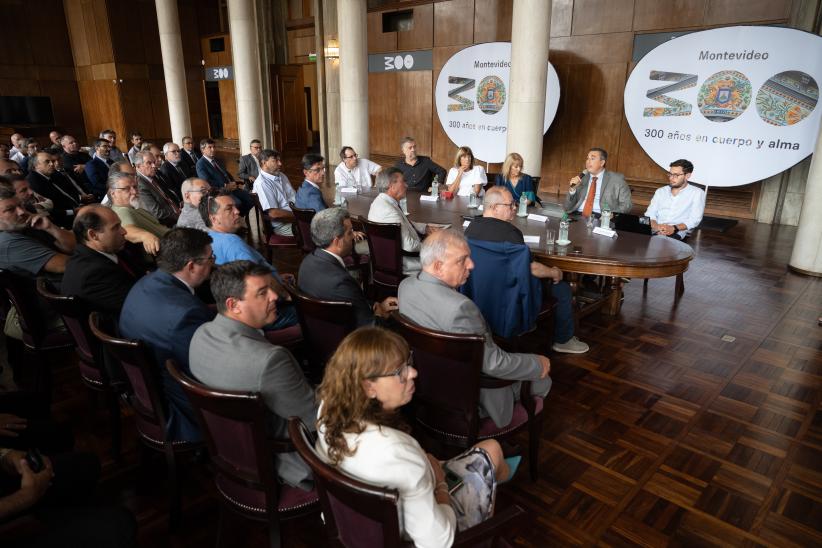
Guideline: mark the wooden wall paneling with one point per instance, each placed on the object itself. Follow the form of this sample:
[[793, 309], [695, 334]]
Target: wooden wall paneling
[[727, 12], [653, 15], [454, 23], [596, 87], [65, 101], [197, 107], [633, 160], [208, 17], [135, 98], [562, 13], [101, 109], [228, 106], [604, 48], [383, 113], [51, 46], [301, 42], [379, 41], [127, 35], [216, 58], [97, 22], [602, 16], [442, 149], [492, 20], [159, 111], [19, 87], [422, 35], [77, 35], [415, 110]]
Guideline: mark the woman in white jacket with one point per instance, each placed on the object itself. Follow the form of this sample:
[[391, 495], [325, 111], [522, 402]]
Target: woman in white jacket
[[465, 177], [371, 376]]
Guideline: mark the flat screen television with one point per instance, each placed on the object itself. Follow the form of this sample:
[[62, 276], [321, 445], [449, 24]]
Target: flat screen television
[[26, 111]]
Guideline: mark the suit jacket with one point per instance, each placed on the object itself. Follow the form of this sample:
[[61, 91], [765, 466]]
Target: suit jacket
[[229, 355], [162, 312], [384, 209], [97, 281], [60, 191], [97, 175], [323, 277], [248, 168], [615, 192], [155, 202], [174, 177], [309, 197], [217, 178], [189, 164], [427, 301]]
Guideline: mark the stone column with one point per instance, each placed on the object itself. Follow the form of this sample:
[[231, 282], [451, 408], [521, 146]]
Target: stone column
[[531, 24], [328, 71], [171, 46], [351, 27], [806, 257], [247, 82]]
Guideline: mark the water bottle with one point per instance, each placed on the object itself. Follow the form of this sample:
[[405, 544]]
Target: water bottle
[[523, 206], [337, 195], [472, 201], [605, 218], [563, 230], [404, 206], [435, 187]]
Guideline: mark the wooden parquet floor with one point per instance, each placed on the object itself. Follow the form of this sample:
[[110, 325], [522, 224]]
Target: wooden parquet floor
[[691, 425]]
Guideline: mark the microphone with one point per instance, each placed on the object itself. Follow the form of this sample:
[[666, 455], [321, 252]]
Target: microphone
[[582, 174]]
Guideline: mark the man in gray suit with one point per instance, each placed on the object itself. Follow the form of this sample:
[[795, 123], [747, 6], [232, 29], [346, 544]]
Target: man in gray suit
[[250, 163], [231, 353], [596, 187], [431, 299]]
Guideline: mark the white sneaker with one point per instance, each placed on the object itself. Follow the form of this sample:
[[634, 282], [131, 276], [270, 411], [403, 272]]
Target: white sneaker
[[571, 346]]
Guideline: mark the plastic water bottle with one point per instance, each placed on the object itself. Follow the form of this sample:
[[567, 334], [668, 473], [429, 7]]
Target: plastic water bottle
[[563, 230], [337, 195], [472, 201], [435, 187], [605, 218], [523, 206]]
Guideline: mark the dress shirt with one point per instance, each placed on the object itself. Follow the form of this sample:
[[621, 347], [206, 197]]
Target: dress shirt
[[600, 176], [685, 208], [419, 176], [360, 176], [275, 192], [339, 259], [110, 256]]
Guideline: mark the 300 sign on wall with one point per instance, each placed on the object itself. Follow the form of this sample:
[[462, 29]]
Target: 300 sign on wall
[[755, 112]]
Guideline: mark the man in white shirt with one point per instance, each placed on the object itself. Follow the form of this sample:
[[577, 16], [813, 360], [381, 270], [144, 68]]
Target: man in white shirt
[[354, 171], [676, 209], [275, 192], [15, 152], [386, 209]]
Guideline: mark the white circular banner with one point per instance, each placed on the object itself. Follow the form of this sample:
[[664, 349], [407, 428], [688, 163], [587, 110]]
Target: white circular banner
[[739, 102], [472, 99]]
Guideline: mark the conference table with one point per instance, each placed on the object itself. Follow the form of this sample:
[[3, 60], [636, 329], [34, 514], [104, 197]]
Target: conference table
[[628, 255]]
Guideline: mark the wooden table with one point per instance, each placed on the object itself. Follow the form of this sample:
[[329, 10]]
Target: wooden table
[[628, 255]]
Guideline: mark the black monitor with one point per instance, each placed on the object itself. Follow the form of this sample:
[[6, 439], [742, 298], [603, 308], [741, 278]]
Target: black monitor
[[26, 111]]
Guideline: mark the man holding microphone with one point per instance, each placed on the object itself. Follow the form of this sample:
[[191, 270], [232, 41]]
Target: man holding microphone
[[595, 186]]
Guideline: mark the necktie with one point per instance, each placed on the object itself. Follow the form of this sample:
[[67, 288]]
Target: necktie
[[122, 264], [588, 208], [174, 208]]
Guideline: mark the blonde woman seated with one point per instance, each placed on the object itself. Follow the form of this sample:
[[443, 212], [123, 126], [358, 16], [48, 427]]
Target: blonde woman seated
[[515, 181], [361, 431], [465, 178]]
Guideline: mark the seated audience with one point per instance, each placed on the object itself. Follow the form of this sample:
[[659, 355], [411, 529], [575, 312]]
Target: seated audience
[[361, 431], [163, 311], [46, 181], [309, 195], [115, 155], [54, 146], [676, 209], [419, 171], [30, 200], [210, 169], [74, 159], [8, 167], [15, 152], [495, 225], [274, 191], [141, 227], [323, 274], [250, 163], [30, 148], [172, 169], [231, 353], [97, 169], [96, 273], [152, 197], [354, 171], [595, 187], [465, 177], [137, 145], [386, 209], [224, 221], [194, 190], [189, 156], [430, 299], [515, 181]]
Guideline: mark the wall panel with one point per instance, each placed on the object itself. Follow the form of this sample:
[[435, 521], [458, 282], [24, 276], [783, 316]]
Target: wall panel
[[421, 36], [454, 23]]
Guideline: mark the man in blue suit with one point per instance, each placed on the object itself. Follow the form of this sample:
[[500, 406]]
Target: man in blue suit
[[209, 168], [97, 169], [309, 195], [163, 311]]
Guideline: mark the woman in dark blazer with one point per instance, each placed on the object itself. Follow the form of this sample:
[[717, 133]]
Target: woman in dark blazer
[[517, 182]]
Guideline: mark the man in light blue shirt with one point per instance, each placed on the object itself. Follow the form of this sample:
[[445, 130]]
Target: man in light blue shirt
[[274, 191], [676, 209]]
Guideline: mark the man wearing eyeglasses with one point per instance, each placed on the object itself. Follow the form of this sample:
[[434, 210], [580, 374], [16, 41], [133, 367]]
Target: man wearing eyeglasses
[[250, 163], [676, 209], [194, 191], [141, 226], [309, 195], [354, 171]]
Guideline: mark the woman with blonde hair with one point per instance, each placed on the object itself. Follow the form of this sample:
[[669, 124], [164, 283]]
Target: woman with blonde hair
[[517, 182], [360, 431], [465, 177]]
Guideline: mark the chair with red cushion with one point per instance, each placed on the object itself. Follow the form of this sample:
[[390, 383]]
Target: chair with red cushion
[[242, 453], [385, 248], [361, 515], [270, 240], [148, 403], [90, 356], [446, 401]]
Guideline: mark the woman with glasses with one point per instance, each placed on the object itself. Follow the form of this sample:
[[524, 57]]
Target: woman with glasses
[[361, 431], [515, 181], [465, 177]]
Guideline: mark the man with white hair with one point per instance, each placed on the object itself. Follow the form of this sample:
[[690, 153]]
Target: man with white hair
[[172, 169], [430, 299], [194, 190]]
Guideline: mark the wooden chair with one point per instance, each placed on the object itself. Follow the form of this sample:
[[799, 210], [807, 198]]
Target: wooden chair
[[324, 325], [446, 401], [385, 248], [90, 356], [361, 515], [234, 423], [148, 403], [270, 241]]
